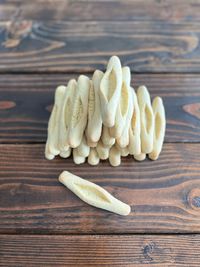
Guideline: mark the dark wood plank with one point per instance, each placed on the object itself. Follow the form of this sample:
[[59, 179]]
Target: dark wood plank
[[164, 195], [130, 250], [117, 10], [25, 101], [81, 46]]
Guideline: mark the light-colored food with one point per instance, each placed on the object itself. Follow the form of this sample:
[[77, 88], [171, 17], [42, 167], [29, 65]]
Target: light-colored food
[[77, 158], [79, 112], [91, 144], [103, 118], [114, 156], [134, 130], [124, 151], [123, 105], [65, 153], [83, 148], [94, 126], [52, 144], [65, 115], [93, 194], [140, 157], [123, 140], [48, 155], [106, 138], [110, 89], [93, 158], [159, 127], [102, 150], [146, 120]]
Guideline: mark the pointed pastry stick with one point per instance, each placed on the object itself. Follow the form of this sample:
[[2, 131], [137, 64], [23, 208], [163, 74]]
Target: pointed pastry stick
[[79, 112], [77, 158], [110, 88], [102, 150], [123, 140], [159, 127], [94, 126], [123, 105], [52, 147], [140, 157], [83, 149], [114, 156], [93, 194], [93, 158], [146, 120], [106, 138], [65, 117], [65, 153], [134, 130]]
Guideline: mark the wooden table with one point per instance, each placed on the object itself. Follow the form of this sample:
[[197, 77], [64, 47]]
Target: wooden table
[[45, 43]]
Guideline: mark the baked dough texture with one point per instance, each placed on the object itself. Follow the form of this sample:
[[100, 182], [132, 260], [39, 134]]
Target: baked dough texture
[[105, 119], [93, 194]]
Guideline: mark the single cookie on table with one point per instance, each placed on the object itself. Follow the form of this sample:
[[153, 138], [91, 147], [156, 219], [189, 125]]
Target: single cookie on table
[[93, 194]]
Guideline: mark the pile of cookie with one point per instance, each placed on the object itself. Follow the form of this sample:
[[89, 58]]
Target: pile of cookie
[[104, 118]]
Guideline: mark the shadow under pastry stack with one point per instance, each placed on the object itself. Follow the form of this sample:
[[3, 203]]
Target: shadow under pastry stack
[[104, 118]]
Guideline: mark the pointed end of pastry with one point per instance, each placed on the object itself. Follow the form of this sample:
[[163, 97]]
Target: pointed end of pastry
[[158, 100], [142, 91], [49, 156], [153, 155], [127, 210], [63, 176]]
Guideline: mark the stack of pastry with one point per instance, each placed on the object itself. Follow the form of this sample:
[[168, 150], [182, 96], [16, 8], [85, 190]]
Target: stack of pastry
[[103, 118]]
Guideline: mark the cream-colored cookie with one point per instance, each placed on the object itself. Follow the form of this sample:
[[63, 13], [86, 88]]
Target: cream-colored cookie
[[114, 156], [123, 105], [123, 140], [65, 116], [52, 145], [93, 194], [94, 125], [93, 158], [134, 130], [102, 150], [146, 120], [79, 112], [110, 89], [159, 127], [77, 158], [83, 148]]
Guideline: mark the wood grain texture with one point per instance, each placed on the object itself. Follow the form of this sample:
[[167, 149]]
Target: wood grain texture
[[26, 100], [164, 195], [130, 250], [118, 10], [81, 46]]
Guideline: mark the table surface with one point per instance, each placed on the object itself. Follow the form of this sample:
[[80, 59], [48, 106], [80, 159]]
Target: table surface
[[45, 43]]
